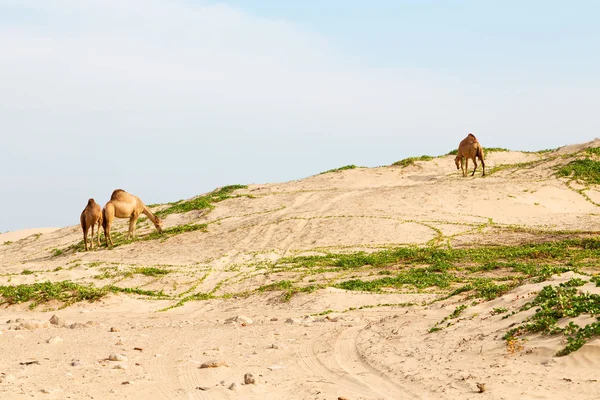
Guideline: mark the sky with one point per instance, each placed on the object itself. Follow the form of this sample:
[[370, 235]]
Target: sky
[[169, 99]]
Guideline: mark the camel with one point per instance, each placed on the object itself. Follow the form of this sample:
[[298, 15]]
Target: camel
[[469, 147], [126, 205], [90, 216]]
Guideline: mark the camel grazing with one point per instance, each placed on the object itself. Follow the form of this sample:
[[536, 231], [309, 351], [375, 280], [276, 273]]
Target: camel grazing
[[91, 214], [469, 147], [126, 205]]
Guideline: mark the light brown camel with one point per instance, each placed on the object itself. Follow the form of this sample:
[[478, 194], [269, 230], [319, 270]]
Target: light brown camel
[[469, 147], [126, 205], [90, 216]]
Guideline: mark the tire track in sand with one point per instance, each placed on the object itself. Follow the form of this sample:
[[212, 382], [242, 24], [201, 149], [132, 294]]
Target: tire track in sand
[[341, 364]]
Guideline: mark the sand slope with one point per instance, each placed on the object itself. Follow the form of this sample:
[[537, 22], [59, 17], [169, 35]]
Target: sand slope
[[383, 352]]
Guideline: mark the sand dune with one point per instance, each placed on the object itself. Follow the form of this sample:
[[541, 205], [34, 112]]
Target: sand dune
[[238, 292]]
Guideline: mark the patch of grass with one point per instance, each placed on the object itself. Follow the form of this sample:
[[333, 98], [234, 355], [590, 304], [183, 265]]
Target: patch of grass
[[27, 272], [7, 243], [66, 292], [593, 151], [557, 302], [495, 149], [421, 278], [200, 202], [499, 310], [345, 167], [151, 271], [586, 170], [410, 161], [57, 252]]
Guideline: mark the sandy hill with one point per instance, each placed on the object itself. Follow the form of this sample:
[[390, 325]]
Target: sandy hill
[[398, 282]]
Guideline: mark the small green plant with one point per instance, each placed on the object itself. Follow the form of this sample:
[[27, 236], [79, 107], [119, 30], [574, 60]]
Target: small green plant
[[499, 310], [56, 252], [151, 271], [345, 167], [201, 202], [27, 272], [410, 161], [586, 170], [554, 303], [7, 243], [66, 292]]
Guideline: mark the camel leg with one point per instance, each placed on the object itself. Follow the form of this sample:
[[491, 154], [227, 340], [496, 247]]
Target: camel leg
[[132, 222], [474, 169], [466, 170], [483, 166], [107, 236], [98, 233], [85, 238], [92, 238]]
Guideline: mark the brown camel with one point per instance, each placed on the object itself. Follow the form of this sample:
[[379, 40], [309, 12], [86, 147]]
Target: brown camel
[[126, 205], [90, 216], [469, 147]]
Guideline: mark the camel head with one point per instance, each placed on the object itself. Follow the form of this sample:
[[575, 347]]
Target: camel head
[[457, 161], [158, 224]]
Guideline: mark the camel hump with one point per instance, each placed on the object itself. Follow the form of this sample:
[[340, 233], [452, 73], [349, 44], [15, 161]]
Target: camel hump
[[472, 136], [116, 194], [91, 202]]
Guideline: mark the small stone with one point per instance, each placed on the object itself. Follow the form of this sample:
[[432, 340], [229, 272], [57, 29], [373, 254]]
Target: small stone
[[233, 386], [222, 383], [117, 357], [481, 387], [249, 379], [76, 363], [213, 364], [57, 321], [292, 321], [274, 319], [138, 349], [204, 388], [113, 329], [342, 398], [242, 319], [274, 346], [78, 325], [125, 383], [6, 377], [120, 366], [54, 340], [29, 325], [119, 343]]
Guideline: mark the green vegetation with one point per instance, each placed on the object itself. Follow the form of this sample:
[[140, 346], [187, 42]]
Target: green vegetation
[[345, 167], [593, 151], [27, 272], [200, 202], [410, 161], [7, 243], [554, 303], [499, 310], [151, 271], [586, 170], [38, 293], [57, 252]]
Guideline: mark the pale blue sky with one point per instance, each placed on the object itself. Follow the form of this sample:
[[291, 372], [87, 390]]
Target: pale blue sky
[[171, 98]]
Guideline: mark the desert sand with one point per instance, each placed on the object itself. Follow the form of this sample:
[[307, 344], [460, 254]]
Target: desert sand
[[328, 343]]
